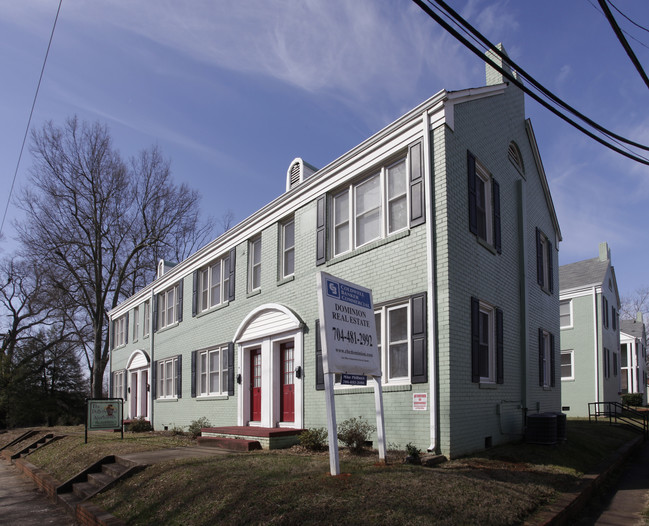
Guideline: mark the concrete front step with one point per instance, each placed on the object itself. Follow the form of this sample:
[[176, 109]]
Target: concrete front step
[[268, 437], [231, 444]]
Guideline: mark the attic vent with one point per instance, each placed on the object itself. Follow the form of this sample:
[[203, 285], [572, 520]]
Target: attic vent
[[515, 157], [163, 266], [297, 172]]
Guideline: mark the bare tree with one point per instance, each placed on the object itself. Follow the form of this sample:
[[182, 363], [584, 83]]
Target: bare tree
[[637, 302], [98, 222]]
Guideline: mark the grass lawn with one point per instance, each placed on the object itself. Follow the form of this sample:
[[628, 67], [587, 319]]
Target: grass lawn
[[504, 485]]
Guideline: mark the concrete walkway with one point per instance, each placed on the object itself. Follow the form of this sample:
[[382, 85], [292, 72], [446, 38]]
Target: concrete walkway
[[22, 503], [630, 495]]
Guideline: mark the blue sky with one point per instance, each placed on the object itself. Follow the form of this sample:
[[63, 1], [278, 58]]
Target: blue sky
[[232, 92]]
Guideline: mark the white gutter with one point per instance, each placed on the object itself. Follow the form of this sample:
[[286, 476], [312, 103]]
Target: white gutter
[[595, 349], [430, 285]]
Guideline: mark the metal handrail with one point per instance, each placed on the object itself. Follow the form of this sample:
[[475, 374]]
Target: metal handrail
[[617, 413]]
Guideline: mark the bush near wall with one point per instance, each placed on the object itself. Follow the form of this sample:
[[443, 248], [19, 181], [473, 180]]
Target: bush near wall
[[633, 399]]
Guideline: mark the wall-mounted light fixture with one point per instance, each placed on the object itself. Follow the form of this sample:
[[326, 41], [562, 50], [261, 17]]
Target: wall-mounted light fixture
[[239, 379], [298, 372]]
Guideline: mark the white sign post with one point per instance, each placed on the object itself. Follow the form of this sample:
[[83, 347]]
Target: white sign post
[[349, 346]]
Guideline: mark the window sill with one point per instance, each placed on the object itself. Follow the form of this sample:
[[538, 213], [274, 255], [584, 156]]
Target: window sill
[[166, 400], [370, 246], [212, 309], [209, 398], [252, 293], [285, 280], [168, 327], [487, 245], [488, 385], [567, 379]]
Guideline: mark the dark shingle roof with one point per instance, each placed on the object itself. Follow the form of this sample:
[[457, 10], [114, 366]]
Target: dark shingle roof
[[631, 327], [582, 273]]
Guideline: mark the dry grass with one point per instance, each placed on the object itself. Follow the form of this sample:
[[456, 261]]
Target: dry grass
[[504, 485]]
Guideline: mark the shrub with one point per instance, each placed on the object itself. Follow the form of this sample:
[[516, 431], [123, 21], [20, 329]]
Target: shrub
[[354, 432], [634, 399], [314, 439], [412, 450], [176, 431], [140, 425], [196, 426]]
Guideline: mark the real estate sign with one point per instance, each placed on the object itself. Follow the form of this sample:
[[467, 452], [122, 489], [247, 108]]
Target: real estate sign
[[347, 319], [350, 348]]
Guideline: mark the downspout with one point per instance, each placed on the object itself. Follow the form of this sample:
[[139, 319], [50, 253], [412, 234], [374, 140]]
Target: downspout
[[595, 349], [430, 285], [524, 300], [151, 348]]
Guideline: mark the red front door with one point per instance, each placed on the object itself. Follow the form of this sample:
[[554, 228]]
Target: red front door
[[287, 398], [255, 385]]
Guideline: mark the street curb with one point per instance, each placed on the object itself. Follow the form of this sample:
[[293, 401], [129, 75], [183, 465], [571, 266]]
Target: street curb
[[564, 509]]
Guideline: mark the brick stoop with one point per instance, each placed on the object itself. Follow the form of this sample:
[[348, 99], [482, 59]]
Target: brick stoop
[[231, 444]]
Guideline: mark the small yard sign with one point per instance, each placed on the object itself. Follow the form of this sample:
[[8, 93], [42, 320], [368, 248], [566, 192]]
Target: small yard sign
[[104, 414]]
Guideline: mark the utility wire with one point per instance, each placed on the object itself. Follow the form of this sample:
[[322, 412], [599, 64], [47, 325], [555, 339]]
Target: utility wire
[[29, 121], [596, 8], [489, 45], [623, 41], [632, 21], [520, 85]]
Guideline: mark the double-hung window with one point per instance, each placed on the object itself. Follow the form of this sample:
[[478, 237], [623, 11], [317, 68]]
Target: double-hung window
[[486, 343], [484, 204], [546, 358], [287, 248], [169, 304], [254, 264], [568, 365], [168, 378], [544, 262], [214, 283], [605, 311], [393, 333], [118, 384], [565, 314], [136, 323], [371, 209], [121, 331], [212, 372], [147, 318]]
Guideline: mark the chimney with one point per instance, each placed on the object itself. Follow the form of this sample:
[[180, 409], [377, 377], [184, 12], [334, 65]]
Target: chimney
[[496, 77], [639, 318], [604, 252]]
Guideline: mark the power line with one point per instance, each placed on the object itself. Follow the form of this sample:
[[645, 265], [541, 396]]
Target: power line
[[623, 41], [629, 19], [29, 121], [623, 31], [507, 74]]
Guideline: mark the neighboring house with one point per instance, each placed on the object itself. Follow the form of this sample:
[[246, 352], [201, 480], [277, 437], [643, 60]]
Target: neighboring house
[[590, 333], [633, 357], [445, 214]]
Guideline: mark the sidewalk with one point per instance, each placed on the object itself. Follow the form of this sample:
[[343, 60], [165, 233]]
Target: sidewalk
[[22, 503], [630, 498]]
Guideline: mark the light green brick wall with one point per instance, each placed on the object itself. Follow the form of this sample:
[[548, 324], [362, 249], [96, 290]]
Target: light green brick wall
[[472, 415]]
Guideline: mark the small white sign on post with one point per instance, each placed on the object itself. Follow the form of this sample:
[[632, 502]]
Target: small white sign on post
[[349, 346]]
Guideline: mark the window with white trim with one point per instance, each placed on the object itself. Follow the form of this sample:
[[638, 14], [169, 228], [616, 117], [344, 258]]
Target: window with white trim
[[121, 328], [371, 209], [487, 343], [605, 311], [625, 370], [487, 346], [484, 204], [393, 333], [254, 264], [287, 248], [212, 371], [213, 284], [136, 323], [167, 307], [118, 384], [565, 314], [167, 371], [568, 365], [147, 318]]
